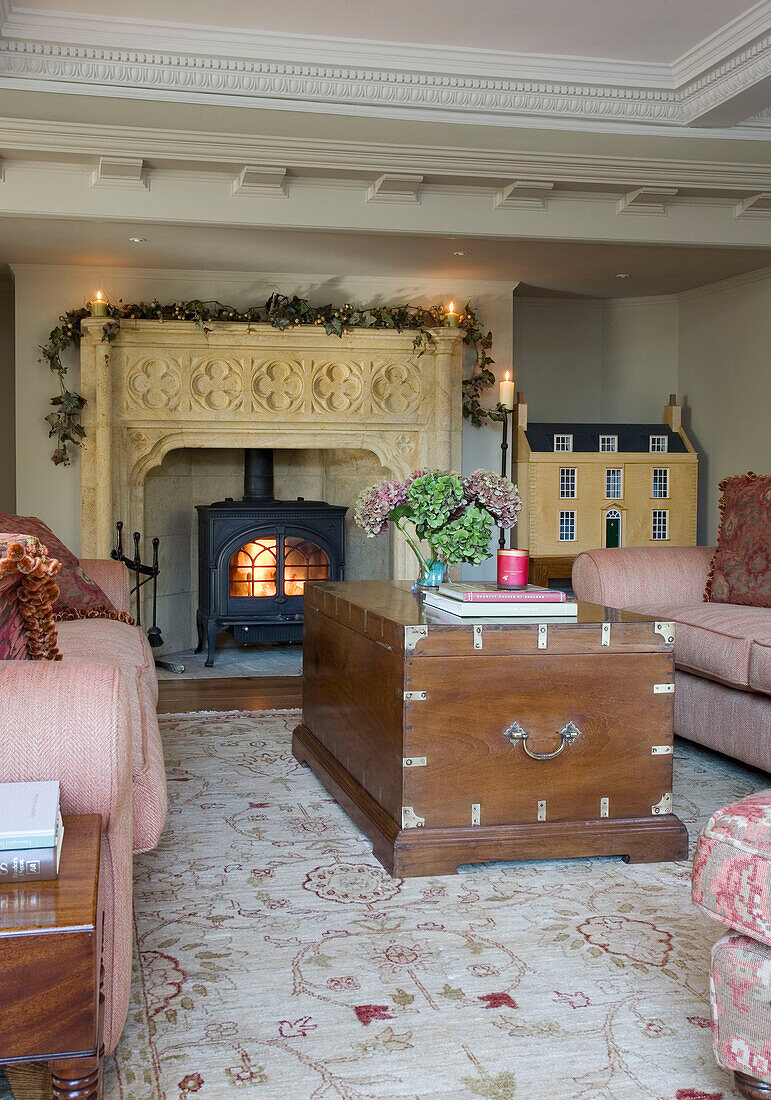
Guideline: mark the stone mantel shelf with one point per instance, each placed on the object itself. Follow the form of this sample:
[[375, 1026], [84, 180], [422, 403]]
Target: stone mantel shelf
[[163, 385]]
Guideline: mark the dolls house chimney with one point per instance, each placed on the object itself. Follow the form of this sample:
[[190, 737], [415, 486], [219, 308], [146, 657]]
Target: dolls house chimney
[[673, 413]]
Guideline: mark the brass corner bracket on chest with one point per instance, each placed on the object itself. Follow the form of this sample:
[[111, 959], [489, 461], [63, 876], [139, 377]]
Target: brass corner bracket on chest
[[666, 630], [664, 805], [412, 635], [410, 819]]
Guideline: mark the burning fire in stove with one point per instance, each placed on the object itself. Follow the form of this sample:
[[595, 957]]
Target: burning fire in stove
[[254, 568]]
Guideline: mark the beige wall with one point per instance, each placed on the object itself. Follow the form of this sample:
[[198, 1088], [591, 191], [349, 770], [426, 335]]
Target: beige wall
[[579, 360], [7, 406], [725, 382]]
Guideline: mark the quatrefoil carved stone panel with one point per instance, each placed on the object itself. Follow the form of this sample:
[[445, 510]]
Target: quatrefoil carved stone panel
[[154, 383], [337, 387], [405, 444], [278, 386], [217, 384], [396, 388]]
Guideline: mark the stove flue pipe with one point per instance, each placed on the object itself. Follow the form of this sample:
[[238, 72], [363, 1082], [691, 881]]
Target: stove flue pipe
[[258, 474]]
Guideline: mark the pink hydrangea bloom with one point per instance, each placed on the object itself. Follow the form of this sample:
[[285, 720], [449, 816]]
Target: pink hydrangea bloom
[[372, 509], [495, 493]]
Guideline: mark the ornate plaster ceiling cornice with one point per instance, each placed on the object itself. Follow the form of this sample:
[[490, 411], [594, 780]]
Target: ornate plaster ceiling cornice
[[727, 81], [107, 55]]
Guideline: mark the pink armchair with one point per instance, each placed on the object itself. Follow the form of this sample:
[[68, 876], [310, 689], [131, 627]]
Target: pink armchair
[[89, 721], [731, 882]]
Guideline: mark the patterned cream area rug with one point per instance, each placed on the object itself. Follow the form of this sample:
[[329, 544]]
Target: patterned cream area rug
[[276, 958]]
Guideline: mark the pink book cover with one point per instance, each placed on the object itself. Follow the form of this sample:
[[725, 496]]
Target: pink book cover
[[490, 593]]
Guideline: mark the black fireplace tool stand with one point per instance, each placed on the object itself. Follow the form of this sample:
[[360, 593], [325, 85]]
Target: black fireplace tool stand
[[142, 574]]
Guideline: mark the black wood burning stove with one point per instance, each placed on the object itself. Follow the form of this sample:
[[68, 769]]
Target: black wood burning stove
[[255, 555]]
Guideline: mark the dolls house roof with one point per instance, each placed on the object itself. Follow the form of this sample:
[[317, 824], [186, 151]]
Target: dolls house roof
[[632, 438]]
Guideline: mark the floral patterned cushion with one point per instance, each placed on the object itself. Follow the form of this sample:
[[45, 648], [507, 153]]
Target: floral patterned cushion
[[741, 568], [740, 988], [731, 877], [27, 593], [79, 597]]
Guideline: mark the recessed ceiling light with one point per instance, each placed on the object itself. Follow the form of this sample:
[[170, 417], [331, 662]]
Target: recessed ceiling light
[[138, 240], [460, 253], [622, 275]]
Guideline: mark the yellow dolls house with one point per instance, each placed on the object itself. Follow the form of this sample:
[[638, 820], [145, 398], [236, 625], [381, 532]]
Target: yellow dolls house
[[584, 486]]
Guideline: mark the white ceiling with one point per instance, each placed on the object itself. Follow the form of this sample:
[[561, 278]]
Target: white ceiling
[[554, 267], [654, 30], [585, 64]]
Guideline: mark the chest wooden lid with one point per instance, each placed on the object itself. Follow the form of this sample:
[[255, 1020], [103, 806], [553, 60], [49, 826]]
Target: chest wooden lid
[[388, 613]]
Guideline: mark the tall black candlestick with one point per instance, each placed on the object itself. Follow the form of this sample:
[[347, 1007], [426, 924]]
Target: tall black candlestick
[[504, 464]]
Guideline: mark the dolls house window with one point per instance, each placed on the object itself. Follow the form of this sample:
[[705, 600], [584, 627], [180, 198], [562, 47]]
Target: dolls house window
[[567, 530], [568, 481], [563, 442], [614, 489], [660, 481], [660, 524], [608, 442], [658, 443]]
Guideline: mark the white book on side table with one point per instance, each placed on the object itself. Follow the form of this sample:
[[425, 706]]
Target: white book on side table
[[29, 815]]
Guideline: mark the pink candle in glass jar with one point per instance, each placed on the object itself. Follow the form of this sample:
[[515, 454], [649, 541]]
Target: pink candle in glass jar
[[512, 568]]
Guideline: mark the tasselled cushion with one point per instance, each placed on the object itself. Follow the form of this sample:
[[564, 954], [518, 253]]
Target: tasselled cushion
[[28, 591], [741, 567], [79, 596]]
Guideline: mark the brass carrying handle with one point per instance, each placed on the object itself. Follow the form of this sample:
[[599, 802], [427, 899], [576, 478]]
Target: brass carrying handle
[[568, 735]]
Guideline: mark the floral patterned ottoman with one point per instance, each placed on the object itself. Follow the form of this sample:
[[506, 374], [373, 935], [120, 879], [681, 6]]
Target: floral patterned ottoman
[[731, 882]]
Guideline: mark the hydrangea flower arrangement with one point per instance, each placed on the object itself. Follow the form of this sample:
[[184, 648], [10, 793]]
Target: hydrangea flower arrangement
[[454, 515]]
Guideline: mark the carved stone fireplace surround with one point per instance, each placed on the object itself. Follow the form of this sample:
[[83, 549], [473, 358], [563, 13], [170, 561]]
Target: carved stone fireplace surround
[[166, 385]]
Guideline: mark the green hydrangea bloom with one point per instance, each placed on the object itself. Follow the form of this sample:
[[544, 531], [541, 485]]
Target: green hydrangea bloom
[[431, 499], [465, 539]]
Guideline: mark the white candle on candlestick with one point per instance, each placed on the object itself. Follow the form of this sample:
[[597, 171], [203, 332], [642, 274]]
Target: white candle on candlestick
[[451, 318], [507, 392]]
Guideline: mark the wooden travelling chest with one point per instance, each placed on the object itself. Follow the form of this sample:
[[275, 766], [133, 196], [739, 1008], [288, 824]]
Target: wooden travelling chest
[[452, 743]]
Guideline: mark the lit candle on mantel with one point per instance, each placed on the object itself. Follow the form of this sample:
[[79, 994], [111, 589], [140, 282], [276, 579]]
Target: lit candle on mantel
[[99, 305], [451, 318], [507, 392]]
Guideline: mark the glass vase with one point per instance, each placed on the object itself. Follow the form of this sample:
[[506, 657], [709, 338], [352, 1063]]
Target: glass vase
[[431, 575]]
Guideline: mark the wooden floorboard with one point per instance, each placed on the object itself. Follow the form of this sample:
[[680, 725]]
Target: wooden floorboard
[[225, 693]]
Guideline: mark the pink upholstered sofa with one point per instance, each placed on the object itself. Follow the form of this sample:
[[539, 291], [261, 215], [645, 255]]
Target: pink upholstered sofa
[[722, 651], [90, 721]]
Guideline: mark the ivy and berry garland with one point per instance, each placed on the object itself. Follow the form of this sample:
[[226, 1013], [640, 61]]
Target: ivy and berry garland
[[281, 312]]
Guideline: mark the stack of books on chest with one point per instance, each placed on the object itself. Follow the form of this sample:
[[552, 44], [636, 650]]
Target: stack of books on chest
[[31, 831], [472, 601]]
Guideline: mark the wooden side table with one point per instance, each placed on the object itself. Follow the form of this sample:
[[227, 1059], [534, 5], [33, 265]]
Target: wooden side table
[[51, 967]]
